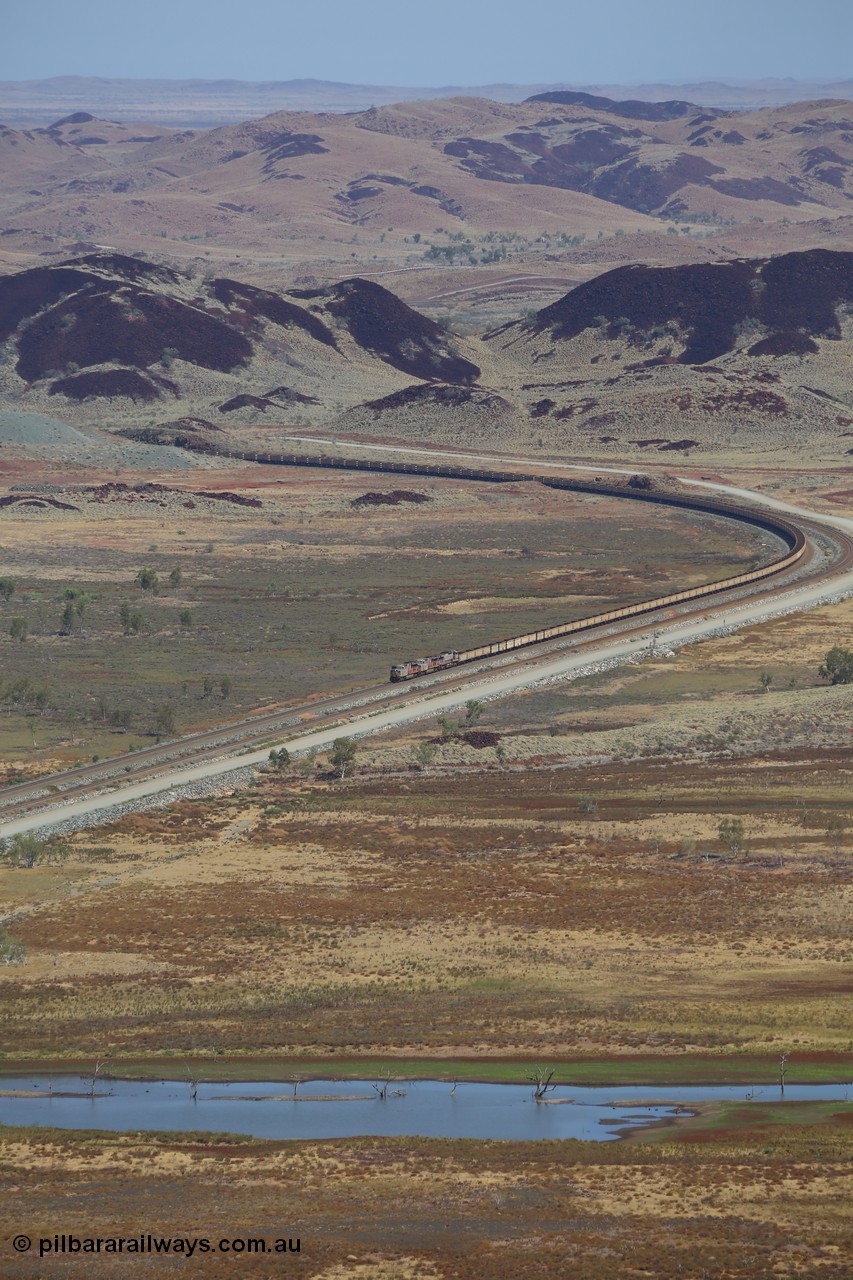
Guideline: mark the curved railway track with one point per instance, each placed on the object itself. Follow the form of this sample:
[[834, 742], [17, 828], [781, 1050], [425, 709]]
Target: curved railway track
[[223, 749], [640, 489]]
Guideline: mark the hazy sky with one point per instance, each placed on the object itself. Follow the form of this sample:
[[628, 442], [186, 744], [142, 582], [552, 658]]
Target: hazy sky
[[435, 42]]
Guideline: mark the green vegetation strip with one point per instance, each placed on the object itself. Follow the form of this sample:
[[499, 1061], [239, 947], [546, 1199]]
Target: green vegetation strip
[[827, 1068], [731, 1121]]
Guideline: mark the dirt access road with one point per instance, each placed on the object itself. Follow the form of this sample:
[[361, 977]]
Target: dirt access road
[[529, 668]]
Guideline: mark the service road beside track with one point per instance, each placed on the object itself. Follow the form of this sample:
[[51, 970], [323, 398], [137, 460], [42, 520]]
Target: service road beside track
[[364, 712]]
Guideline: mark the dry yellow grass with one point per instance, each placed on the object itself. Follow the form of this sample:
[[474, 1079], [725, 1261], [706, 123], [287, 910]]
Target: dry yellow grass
[[365, 918], [749, 1201]]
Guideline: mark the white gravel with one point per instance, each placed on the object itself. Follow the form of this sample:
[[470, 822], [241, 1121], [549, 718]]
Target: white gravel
[[38, 436], [565, 665]]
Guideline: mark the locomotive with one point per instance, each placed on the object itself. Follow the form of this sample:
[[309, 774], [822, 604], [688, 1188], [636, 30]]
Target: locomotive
[[420, 666]]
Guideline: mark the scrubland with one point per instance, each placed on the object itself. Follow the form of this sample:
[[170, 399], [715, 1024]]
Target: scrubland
[[742, 1199], [287, 587], [551, 885]]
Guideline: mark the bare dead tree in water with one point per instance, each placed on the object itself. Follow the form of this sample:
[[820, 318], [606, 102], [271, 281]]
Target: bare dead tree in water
[[193, 1081], [542, 1082], [383, 1088], [783, 1066], [100, 1063]]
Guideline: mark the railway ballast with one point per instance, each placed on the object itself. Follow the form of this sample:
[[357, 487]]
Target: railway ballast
[[638, 488]]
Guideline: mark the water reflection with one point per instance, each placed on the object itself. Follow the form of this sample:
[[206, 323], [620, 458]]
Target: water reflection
[[351, 1108]]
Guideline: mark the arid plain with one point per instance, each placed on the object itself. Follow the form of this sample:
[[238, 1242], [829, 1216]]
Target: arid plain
[[641, 875]]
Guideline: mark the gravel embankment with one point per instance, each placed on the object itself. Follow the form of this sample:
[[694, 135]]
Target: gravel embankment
[[35, 435]]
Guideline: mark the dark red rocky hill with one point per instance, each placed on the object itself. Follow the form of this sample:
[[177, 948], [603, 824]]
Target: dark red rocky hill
[[385, 326], [631, 108], [792, 298], [113, 327]]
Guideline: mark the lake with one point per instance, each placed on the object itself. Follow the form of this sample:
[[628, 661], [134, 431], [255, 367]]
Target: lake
[[352, 1108]]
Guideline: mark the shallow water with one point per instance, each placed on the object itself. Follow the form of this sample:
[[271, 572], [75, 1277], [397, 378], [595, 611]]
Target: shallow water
[[351, 1108]]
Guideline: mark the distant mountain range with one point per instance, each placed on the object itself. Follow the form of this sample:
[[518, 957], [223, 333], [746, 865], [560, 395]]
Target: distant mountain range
[[208, 103], [560, 162]]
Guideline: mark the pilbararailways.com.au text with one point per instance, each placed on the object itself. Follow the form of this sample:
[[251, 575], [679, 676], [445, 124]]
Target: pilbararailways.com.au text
[[48, 1246]]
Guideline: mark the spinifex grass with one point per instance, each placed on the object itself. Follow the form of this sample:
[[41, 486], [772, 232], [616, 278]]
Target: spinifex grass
[[414, 917], [305, 594], [740, 1204]]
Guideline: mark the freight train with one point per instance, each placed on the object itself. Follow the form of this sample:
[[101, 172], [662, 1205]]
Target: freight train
[[640, 488], [453, 658]]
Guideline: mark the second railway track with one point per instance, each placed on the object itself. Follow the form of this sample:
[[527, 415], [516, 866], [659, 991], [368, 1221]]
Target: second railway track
[[225, 744]]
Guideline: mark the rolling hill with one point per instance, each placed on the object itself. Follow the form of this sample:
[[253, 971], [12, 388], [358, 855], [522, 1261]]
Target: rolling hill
[[106, 328], [558, 162], [747, 357]]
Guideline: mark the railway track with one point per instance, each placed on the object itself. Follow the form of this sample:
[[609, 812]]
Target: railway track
[[231, 739], [225, 747]]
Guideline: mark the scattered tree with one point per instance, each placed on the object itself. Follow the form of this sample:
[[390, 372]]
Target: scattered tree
[[147, 579], [164, 719], [731, 832], [836, 828], [193, 1080], [19, 629], [473, 711], [120, 717], [69, 720], [449, 728], [175, 577], [27, 850], [280, 759], [837, 666], [132, 620], [383, 1089], [186, 618], [766, 679], [7, 589], [424, 754], [74, 609], [225, 686], [343, 754], [100, 1063], [11, 951], [40, 700], [587, 803], [66, 622]]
